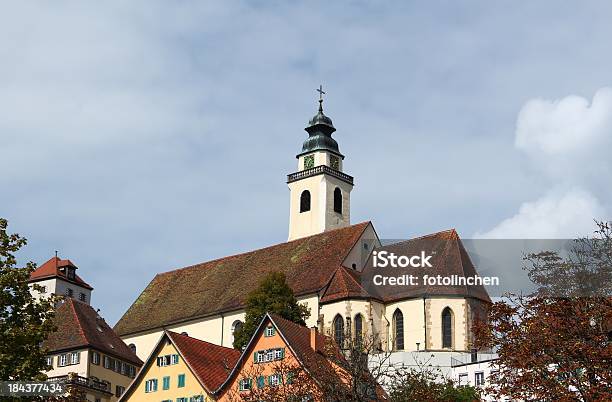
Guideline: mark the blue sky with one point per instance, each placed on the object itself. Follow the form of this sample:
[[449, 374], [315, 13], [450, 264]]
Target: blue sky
[[145, 136]]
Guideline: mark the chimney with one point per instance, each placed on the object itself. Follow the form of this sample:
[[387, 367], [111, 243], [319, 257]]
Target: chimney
[[313, 338]]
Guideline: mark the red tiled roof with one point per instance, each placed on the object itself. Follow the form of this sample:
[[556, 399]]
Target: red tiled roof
[[449, 257], [51, 269], [297, 338], [344, 284], [210, 363], [80, 326], [222, 285]]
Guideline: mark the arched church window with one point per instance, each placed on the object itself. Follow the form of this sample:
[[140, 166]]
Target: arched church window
[[447, 328], [339, 330], [338, 200], [236, 325], [305, 201], [358, 328], [398, 330]]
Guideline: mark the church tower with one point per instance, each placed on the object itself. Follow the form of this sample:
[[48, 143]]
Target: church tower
[[320, 191]]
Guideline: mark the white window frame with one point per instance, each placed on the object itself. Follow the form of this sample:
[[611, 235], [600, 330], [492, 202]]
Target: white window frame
[[62, 360], [75, 358], [95, 358], [49, 361], [278, 354], [242, 385], [464, 379], [476, 376], [151, 385], [270, 331], [269, 355], [274, 380], [174, 359]]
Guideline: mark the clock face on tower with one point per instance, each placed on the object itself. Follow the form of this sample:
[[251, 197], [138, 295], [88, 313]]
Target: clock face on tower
[[334, 161], [308, 162]]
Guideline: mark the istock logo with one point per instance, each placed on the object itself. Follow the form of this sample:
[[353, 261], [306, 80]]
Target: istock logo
[[383, 259]]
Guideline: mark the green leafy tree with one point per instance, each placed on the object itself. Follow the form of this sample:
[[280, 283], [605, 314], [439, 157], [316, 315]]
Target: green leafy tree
[[25, 322], [272, 296]]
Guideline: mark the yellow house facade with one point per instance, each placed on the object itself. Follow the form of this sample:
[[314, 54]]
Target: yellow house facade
[[181, 369]]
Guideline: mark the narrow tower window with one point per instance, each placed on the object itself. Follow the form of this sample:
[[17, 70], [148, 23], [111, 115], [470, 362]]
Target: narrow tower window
[[398, 330], [338, 200], [339, 330], [305, 201], [447, 328], [358, 329]]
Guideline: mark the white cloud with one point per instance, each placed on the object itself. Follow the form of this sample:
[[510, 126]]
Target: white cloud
[[568, 126], [554, 216], [569, 139]]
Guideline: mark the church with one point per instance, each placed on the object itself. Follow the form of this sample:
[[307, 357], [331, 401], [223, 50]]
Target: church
[[328, 263]]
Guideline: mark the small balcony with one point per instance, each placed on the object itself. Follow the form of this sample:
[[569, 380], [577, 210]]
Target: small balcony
[[83, 382], [322, 169]]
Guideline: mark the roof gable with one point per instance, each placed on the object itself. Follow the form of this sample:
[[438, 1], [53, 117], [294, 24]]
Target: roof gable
[[209, 363], [222, 285], [448, 257], [344, 284], [80, 326], [297, 339]]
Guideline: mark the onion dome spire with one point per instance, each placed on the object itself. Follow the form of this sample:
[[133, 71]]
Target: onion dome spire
[[320, 129]]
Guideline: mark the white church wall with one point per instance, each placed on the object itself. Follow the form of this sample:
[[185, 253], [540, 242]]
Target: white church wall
[[215, 329], [414, 323], [302, 224], [459, 307], [334, 219], [359, 253]]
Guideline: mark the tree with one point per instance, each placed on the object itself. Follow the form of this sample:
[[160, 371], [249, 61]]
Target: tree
[[273, 295], [554, 345], [428, 385], [24, 321]]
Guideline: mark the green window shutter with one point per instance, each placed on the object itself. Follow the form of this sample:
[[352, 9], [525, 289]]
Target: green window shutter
[[261, 381], [166, 383], [255, 357], [282, 353], [181, 380]]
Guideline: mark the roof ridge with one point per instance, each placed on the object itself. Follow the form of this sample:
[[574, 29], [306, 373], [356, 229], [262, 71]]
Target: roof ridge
[[191, 338], [78, 319], [301, 239]]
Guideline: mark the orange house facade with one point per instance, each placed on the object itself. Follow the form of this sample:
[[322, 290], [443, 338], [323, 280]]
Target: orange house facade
[[282, 361]]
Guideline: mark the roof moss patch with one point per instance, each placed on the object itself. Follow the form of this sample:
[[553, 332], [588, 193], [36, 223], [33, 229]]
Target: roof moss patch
[[222, 285]]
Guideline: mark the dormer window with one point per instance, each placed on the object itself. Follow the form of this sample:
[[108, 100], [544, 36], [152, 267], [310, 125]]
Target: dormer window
[[70, 273]]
